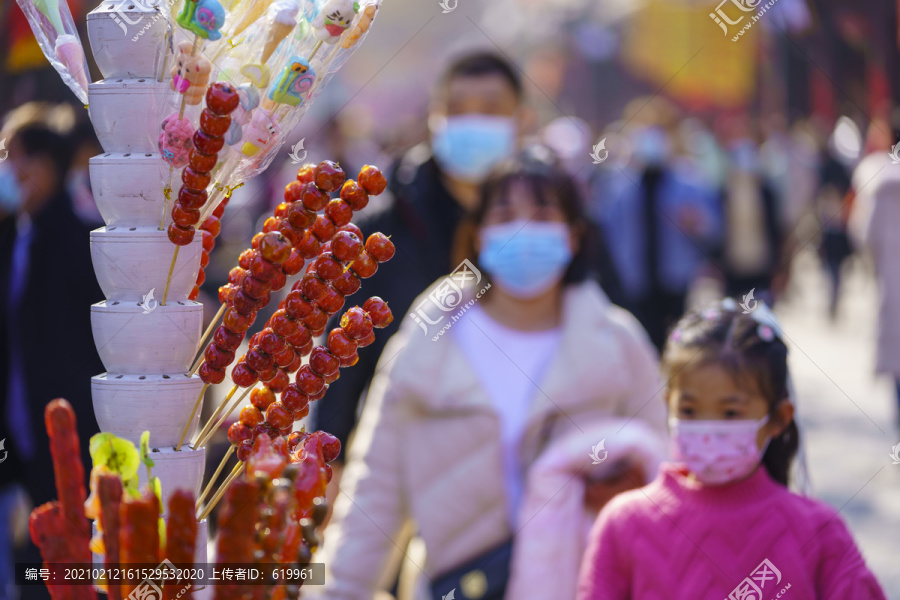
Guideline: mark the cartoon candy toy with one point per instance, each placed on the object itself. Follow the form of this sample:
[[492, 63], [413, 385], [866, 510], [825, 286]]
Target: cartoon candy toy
[[249, 99], [190, 74], [294, 84], [334, 18], [261, 131], [203, 17], [175, 140]]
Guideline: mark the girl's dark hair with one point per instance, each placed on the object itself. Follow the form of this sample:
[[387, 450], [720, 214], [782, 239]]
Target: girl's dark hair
[[733, 340], [539, 169]]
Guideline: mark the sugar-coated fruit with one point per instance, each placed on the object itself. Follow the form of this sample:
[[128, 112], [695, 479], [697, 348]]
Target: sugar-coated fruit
[[306, 348], [274, 247], [207, 143], [278, 416], [270, 342], [331, 301], [356, 323], [312, 286], [254, 241], [347, 284], [242, 375], [313, 198], [279, 279], [328, 176], [244, 304], [285, 358], [282, 324], [287, 230], [216, 357], [316, 320], [262, 269], [339, 212], [281, 211], [195, 293], [213, 124], [295, 439], [254, 288], [210, 375], [320, 394], [236, 276], [245, 257], [379, 247], [323, 362], [258, 360], [300, 338], [329, 379], [349, 361], [340, 343], [269, 374], [225, 293], [323, 228], [366, 341], [308, 381], [212, 225], [222, 98], [299, 216], [346, 246], [251, 416], [328, 267], [352, 228], [378, 311], [180, 236], [294, 264], [227, 340], [261, 398], [237, 322], [293, 191], [220, 209], [254, 339], [330, 445], [280, 381], [354, 195], [271, 224], [192, 199], [201, 277], [297, 362], [306, 173], [364, 267], [184, 217], [308, 246], [238, 432], [372, 179], [202, 163], [297, 306], [244, 449], [204, 259], [194, 180], [209, 240]]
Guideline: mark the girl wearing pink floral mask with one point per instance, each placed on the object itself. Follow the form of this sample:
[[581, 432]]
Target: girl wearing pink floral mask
[[719, 521]]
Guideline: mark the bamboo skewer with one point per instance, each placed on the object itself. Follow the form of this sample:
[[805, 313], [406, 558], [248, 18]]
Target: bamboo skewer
[[201, 441], [215, 415], [214, 477], [187, 425], [209, 329], [169, 277], [238, 469]]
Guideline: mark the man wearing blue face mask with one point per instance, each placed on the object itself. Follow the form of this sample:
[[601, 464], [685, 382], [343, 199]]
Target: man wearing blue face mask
[[474, 122]]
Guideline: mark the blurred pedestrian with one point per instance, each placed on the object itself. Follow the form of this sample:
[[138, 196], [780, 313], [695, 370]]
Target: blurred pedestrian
[[455, 420], [720, 521]]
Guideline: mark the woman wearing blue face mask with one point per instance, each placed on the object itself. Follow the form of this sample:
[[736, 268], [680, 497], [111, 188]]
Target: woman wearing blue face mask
[[489, 405]]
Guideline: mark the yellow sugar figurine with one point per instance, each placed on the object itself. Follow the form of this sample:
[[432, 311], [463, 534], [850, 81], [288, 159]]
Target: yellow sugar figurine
[[254, 12]]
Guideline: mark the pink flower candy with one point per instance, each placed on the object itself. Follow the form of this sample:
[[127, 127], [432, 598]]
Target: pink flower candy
[[175, 140]]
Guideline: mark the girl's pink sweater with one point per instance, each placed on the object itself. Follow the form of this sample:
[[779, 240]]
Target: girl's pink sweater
[[752, 540]]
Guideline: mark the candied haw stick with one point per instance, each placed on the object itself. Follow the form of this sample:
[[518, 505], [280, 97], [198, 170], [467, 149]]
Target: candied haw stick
[[221, 100], [45, 524], [181, 539], [210, 229], [109, 487], [69, 473], [139, 535]]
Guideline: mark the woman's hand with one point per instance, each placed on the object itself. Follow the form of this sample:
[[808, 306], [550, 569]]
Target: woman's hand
[[598, 492]]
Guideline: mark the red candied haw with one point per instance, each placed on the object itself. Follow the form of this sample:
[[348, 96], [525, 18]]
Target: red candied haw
[[372, 179], [323, 362], [323, 228], [313, 198], [293, 191], [347, 284], [271, 224], [331, 301], [333, 377], [296, 363], [245, 258], [274, 247], [279, 382], [306, 348], [282, 324], [366, 341], [287, 230], [316, 320], [330, 445], [308, 381], [192, 199], [245, 449], [328, 176], [296, 306], [364, 267], [278, 416], [261, 398], [320, 395], [251, 416], [306, 173], [202, 163], [218, 358], [279, 279], [254, 339], [354, 195], [184, 217], [300, 217], [236, 276], [346, 246], [204, 259], [238, 432], [225, 293], [351, 228], [262, 269], [270, 342], [258, 360], [194, 180], [220, 209], [254, 241], [213, 124], [209, 241], [227, 340], [300, 338], [308, 246], [301, 414], [281, 211], [294, 264], [206, 143], [312, 286], [296, 438], [201, 277], [210, 375], [349, 361], [242, 375], [255, 288], [294, 399], [212, 225], [221, 98], [340, 344], [339, 212], [236, 322], [180, 236], [356, 323], [328, 267], [195, 292], [379, 247], [378, 311], [244, 304], [284, 358], [268, 374]]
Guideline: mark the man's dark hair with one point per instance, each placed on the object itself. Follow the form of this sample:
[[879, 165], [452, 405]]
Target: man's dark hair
[[38, 139], [483, 63]]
